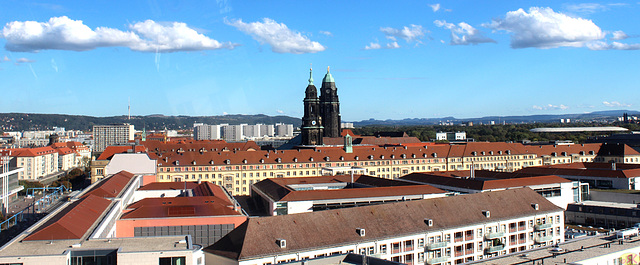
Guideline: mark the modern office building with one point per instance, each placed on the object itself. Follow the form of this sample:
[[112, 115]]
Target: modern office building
[[106, 135], [447, 230], [9, 184]]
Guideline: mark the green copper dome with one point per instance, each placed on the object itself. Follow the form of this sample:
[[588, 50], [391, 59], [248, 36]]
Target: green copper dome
[[328, 78], [310, 76]]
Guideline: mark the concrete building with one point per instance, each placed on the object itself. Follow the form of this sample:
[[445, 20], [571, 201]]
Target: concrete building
[[82, 231], [252, 131], [106, 135], [284, 130], [451, 136], [603, 214], [233, 133], [267, 130], [597, 175], [281, 196], [9, 184], [207, 132], [430, 231]]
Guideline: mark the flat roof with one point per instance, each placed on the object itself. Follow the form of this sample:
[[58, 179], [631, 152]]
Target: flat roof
[[58, 247], [608, 204], [593, 247]]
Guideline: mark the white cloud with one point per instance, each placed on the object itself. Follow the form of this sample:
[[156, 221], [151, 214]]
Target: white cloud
[[62, 33], [326, 33], [463, 33], [435, 7], [5, 59], [280, 111], [550, 107], [619, 35], [409, 34], [615, 104], [601, 46], [375, 46], [544, 28], [25, 60], [278, 36]]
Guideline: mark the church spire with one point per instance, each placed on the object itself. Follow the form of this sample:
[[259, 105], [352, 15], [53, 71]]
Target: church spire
[[328, 78], [310, 76]]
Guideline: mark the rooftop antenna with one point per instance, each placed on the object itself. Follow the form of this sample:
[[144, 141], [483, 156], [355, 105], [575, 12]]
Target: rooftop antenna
[[129, 109]]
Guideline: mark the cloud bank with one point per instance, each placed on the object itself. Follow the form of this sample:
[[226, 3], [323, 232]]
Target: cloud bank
[[62, 33]]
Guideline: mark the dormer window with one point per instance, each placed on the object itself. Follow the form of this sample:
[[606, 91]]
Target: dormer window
[[482, 153], [392, 157], [295, 159], [356, 158], [326, 158], [342, 158], [193, 162], [278, 160], [227, 161], [177, 163], [434, 155], [311, 159], [244, 161], [370, 156], [413, 155], [499, 152], [491, 152], [474, 153], [211, 162], [403, 156], [261, 161]]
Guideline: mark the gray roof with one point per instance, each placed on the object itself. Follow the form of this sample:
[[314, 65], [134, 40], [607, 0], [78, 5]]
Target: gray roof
[[257, 237]]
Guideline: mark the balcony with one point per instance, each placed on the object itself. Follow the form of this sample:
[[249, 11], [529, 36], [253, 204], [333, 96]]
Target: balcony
[[437, 245], [539, 227], [494, 249], [542, 239], [438, 260], [494, 235]]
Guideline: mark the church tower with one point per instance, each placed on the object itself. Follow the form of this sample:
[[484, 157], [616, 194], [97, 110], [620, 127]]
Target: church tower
[[330, 106], [312, 129]]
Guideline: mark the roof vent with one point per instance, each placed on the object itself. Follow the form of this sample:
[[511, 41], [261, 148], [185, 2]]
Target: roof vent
[[361, 231], [486, 213], [281, 242], [535, 206], [429, 222]]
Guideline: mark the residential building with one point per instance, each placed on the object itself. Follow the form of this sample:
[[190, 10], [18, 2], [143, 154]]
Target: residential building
[[37, 162], [106, 135], [279, 196], [233, 133], [430, 231], [206, 132], [284, 130]]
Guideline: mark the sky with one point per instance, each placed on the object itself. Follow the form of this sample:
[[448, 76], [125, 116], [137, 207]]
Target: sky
[[389, 59]]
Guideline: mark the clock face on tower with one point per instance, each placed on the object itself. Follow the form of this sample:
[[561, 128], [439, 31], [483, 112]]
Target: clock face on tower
[[328, 91], [313, 122]]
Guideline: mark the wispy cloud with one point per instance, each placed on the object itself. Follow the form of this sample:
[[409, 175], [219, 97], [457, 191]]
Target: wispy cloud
[[25, 60], [601, 46], [280, 111], [278, 36], [463, 33], [375, 46], [619, 35], [5, 59], [550, 107], [409, 34], [435, 7], [545, 28], [614, 104], [62, 33], [326, 33], [590, 8]]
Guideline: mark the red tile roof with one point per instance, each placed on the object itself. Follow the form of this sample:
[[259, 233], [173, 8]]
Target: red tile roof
[[112, 186], [559, 171], [32, 152], [460, 179], [120, 149], [169, 186], [72, 222]]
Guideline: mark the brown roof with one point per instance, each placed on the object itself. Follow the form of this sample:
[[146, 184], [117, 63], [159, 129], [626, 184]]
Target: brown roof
[[111, 186], [199, 206], [461, 180], [563, 150], [73, 221], [169, 186], [257, 237], [560, 171], [616, 149], [210, 189]]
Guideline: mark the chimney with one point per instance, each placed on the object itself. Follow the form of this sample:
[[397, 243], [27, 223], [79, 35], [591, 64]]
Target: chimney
[[613, 165]]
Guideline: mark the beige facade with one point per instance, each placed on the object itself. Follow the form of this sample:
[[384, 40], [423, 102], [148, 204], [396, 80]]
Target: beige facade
[[38, 166]]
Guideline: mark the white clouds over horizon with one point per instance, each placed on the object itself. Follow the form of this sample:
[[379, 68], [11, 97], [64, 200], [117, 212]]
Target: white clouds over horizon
[[463, 33], [550, 107], [375, 46], [62, 33], [278, 36], [614, 104], [544, 28], [409, 34]]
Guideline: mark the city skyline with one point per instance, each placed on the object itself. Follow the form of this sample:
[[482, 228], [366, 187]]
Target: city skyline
[[390, 61]]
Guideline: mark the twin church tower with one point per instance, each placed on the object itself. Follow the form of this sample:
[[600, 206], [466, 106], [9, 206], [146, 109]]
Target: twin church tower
[[321, 115]]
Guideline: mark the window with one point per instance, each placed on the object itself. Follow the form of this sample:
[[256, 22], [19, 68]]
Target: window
[[173, 261], [383, 249]]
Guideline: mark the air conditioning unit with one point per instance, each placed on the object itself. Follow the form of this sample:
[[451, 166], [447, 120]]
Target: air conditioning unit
[[535, 206], [429, 222], [282, 243], [361, 231], [487, 214]]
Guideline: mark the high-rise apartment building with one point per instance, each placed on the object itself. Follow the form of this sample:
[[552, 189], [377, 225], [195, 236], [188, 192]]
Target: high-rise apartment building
[[207, 132], [106, 135]]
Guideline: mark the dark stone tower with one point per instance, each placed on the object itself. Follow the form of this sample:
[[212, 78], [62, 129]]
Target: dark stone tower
[[330, 106], [311, 121]]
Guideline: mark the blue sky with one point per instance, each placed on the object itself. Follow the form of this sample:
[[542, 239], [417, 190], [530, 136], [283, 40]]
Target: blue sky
[[390, 59]]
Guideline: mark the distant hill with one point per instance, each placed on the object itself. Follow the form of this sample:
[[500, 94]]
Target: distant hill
[[608, 115], [24, 121]]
